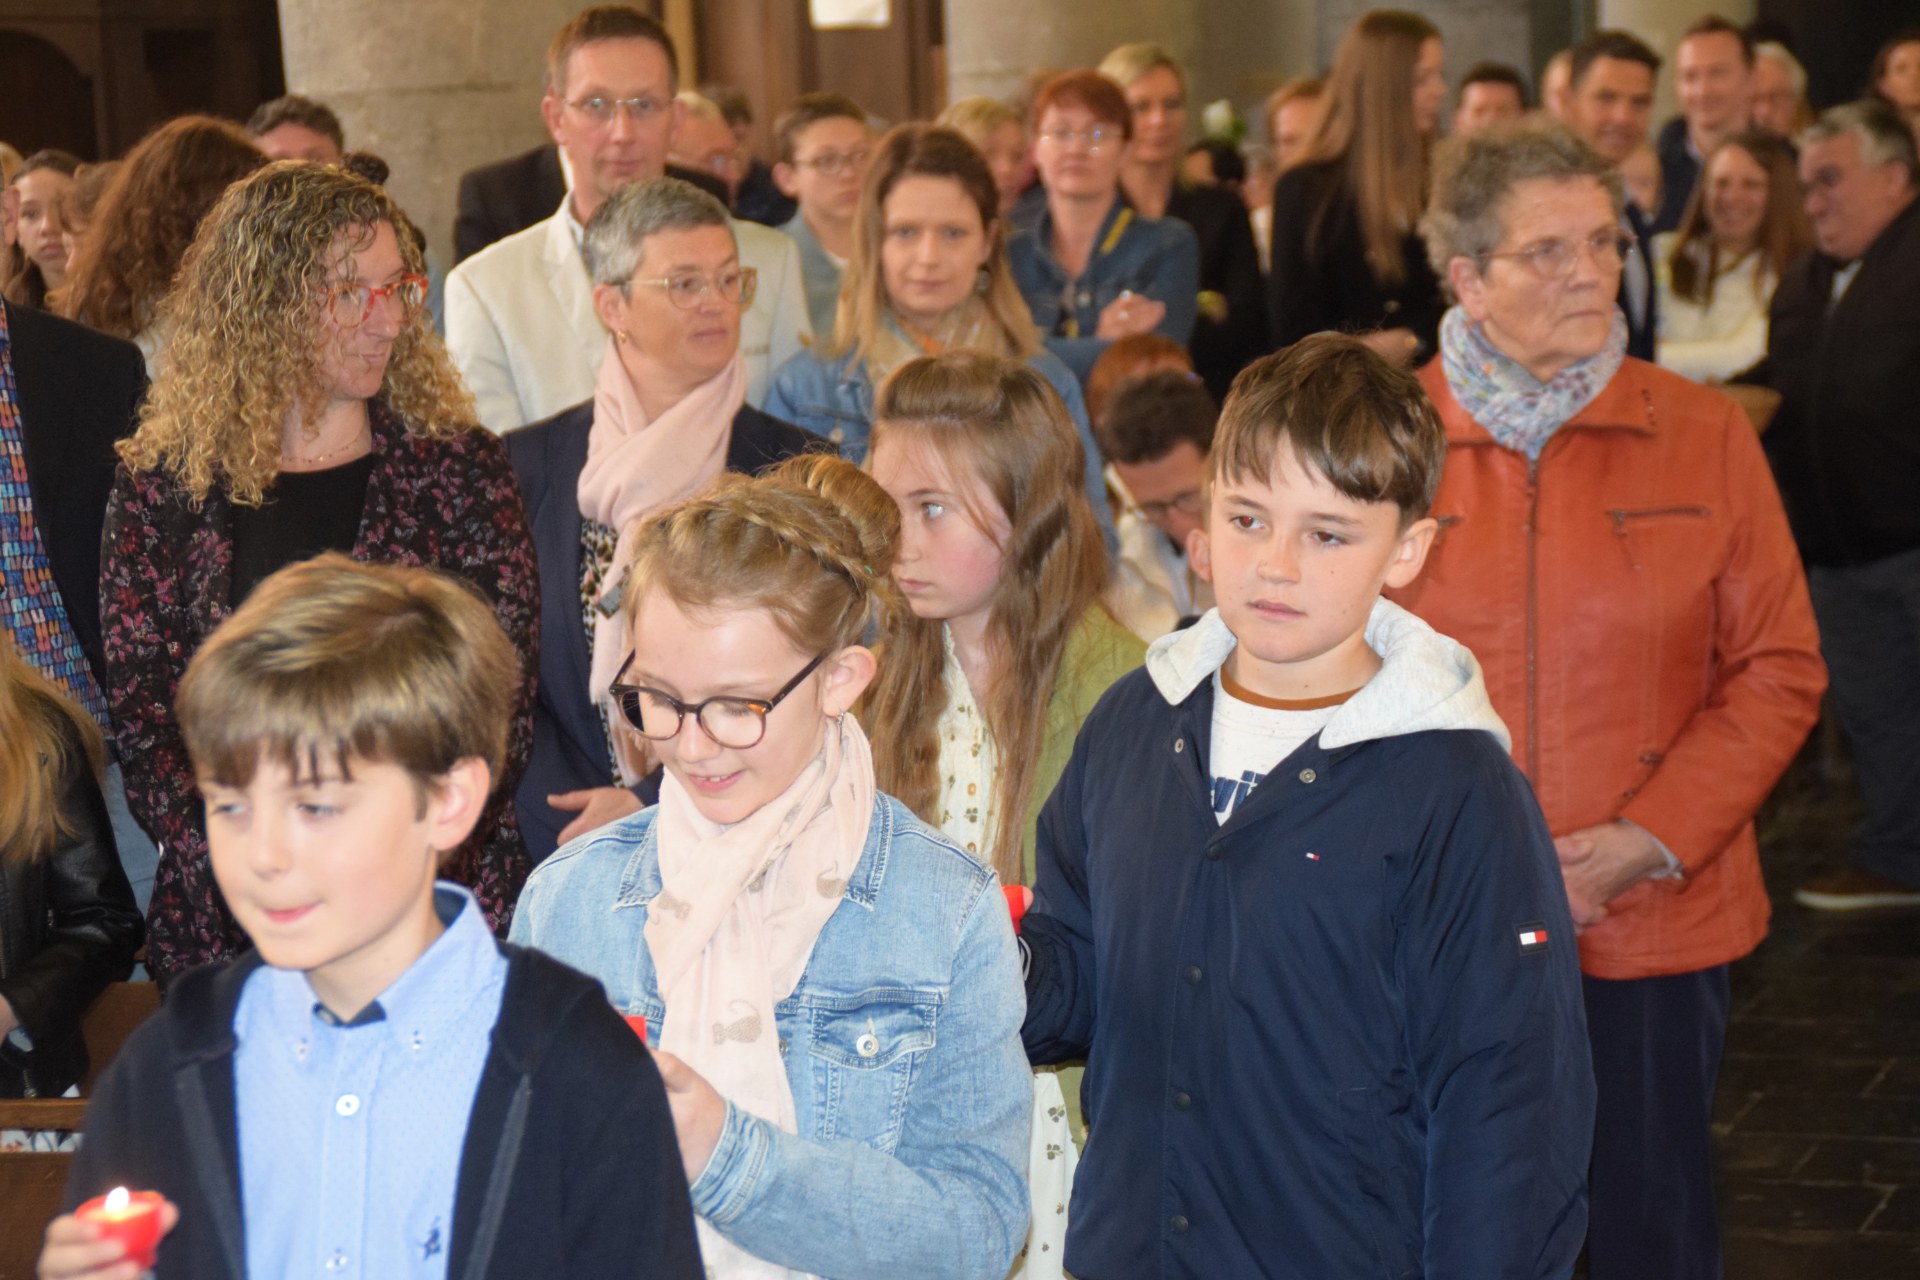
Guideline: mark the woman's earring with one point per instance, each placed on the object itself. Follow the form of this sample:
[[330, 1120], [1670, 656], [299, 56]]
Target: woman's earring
[[982, 281], [620, 336]]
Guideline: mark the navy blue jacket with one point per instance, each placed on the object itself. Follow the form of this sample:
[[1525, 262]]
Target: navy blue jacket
[[1320, 1039], [569, 743]]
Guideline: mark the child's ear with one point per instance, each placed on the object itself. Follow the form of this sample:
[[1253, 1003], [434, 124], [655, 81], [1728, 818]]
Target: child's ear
[[1200, 554], [1410, 553], [849, 672], [454, 805]]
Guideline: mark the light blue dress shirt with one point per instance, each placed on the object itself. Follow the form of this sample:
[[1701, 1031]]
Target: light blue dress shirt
[[351, 1134]]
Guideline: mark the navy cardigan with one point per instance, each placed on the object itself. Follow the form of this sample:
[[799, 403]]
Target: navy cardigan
[[569, 745]]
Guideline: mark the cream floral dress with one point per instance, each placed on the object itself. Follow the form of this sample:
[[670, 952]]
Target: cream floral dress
[[966, 814]]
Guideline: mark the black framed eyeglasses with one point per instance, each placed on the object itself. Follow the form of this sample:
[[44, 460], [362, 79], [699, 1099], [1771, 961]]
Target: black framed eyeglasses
[[736, 723]]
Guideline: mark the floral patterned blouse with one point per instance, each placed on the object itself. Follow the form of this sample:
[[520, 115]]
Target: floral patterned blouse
[[449, 503]]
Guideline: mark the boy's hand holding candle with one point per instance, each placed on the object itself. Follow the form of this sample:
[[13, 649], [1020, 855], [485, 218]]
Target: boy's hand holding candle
[[111, 1237]]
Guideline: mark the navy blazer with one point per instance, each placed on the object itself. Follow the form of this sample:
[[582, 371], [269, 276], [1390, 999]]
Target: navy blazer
[[569, 744]]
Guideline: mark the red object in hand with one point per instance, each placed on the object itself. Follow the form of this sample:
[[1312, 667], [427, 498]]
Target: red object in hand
[[1019, 898], [638, 1021], [132, 1218]]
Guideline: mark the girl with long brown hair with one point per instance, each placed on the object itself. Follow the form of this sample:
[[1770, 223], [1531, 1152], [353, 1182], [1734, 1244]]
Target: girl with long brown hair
[[1716, 273], [68, 924], [1346, 252]]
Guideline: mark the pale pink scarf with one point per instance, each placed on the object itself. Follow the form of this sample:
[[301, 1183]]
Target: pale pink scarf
[[635, 467], [734, 925]]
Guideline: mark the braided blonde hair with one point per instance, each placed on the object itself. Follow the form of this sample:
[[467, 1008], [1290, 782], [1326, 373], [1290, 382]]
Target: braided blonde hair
[[810, 542]]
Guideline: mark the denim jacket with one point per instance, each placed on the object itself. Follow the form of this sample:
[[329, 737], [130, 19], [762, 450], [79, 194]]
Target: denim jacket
[[902, 1046], [1158, 258], [834, 398]]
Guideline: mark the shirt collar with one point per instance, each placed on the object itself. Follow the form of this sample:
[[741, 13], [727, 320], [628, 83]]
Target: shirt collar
[[423, 1003]]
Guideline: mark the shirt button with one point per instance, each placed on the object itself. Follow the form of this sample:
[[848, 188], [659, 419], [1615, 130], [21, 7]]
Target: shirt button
[[336, 1261], [1179, 1224], [1308, 775], [1214, 853], [346, 1104], [1179, 745], [1182, 1101], [1193, 975]]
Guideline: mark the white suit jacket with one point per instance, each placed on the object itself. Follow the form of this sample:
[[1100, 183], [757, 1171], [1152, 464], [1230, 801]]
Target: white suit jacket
[[521, 325]]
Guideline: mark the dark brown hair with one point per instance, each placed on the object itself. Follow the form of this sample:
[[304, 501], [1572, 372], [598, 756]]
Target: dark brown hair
[[810, 109], [1149, 416], [1353, 417], [295, 109], [1715, 25], [607, 22]]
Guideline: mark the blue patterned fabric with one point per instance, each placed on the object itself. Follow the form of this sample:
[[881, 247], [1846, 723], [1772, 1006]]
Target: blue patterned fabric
[[35, 617], [1517, 409]]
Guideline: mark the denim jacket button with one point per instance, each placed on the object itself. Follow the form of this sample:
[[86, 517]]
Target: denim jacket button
[[1308, 775], [867, 1046], [838, 435]]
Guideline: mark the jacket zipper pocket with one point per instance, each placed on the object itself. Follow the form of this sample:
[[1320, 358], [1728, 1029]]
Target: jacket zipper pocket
[[1621, 516]]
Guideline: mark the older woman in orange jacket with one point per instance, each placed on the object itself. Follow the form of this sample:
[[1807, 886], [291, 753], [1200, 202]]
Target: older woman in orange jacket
[[1614, 552]]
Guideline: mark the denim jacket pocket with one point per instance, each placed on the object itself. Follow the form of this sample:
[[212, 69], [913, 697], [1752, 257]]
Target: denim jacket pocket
[[866, 1050]]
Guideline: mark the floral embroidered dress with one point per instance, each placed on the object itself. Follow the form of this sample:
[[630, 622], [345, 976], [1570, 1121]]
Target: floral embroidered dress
[[449, 503]]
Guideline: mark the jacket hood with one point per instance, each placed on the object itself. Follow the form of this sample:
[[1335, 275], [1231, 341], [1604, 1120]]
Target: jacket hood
[[1426, 680]]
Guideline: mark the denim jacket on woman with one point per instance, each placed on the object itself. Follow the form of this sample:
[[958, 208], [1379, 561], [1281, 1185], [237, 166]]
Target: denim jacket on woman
[[902, 1046]]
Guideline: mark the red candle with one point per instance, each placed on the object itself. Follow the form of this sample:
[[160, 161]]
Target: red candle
[[132, 1218]]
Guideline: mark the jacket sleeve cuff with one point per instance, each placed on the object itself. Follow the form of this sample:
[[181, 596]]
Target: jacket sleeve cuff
[[726, 1186]]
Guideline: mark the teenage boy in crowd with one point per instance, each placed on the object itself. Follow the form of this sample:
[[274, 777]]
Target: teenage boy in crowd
[[1296, 906], [824, 148], [1155, 432], [381, 1088]]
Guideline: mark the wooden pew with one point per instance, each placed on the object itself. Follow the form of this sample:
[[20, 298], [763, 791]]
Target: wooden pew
[[32, 1183]]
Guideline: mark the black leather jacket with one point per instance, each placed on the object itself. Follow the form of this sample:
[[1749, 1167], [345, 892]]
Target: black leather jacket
[[68, 927]]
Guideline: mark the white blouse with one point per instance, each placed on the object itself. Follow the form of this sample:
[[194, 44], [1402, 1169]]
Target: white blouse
[[1724, 336]]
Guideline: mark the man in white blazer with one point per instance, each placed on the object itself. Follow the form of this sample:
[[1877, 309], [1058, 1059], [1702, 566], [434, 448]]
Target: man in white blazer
[[520, 319]]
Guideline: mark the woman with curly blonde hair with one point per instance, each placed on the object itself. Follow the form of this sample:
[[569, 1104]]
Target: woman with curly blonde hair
[[305, 406], [145, 220]]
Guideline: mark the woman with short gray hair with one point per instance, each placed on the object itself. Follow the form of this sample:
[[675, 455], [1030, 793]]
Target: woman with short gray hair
[[1614, 552], [668, 414]]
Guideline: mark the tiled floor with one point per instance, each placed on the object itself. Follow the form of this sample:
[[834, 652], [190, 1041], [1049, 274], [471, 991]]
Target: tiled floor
[[1819, 1106]]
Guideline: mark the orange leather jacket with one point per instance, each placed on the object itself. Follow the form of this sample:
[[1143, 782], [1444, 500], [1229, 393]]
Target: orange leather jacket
[[1637, 603]]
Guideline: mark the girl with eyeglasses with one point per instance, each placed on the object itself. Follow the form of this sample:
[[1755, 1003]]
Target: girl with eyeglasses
[[304, 405], [1092, 267], [830, 985], [668, 416]]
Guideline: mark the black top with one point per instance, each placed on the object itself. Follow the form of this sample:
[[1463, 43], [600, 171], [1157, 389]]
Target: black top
[[1230, 267], [1321, 279], [305, 513]]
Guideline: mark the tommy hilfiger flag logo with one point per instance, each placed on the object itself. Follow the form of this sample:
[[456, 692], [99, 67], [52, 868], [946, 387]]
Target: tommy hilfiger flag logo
[[1533, 936]]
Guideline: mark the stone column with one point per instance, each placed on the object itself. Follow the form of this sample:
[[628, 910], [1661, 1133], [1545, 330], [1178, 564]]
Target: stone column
[[434, 87], [992, 44]]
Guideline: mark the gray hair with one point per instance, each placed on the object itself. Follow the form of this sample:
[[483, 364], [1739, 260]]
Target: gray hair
[[1796, 74], [1473, 175], [617, 233], [1885, 136]]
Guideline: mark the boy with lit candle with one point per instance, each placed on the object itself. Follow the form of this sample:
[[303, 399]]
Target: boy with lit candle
[[381, 1089], [1296, 906]]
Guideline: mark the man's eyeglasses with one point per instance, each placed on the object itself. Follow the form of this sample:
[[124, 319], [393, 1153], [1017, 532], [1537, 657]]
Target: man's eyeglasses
[[835, 163], [734, 284], [602, 110], [350, 304], [735, 723], [1095, 138], [1555, 259], [1187, 504]]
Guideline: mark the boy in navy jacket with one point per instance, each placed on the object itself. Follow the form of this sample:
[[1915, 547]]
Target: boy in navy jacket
[[381, 1088], [1296, 906]]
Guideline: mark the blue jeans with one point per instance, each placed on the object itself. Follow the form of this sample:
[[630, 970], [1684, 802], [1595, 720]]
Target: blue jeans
[[1869, 618]]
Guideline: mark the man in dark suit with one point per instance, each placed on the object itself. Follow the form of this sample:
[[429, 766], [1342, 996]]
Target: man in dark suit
[[68, 395], [1609, 104], [1715, 89], [511, 195], [1844, 354]]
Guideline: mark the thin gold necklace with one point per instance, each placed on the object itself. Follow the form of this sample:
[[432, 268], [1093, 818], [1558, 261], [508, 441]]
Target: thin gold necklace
[[323, 457]]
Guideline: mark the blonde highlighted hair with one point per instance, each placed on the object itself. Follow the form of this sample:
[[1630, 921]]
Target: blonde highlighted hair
[[44, 737], [1001, 431], [331, 660], [926, 151], [1367, 128], [246, 316], [810, 542]]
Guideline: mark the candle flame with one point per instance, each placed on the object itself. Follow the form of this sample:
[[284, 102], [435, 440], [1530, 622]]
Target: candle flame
[[117, 1200]]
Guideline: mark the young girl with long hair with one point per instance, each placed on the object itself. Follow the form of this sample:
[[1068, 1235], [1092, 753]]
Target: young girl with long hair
[[830, 984], [982, 689], [1347, 254], [68, 924]]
